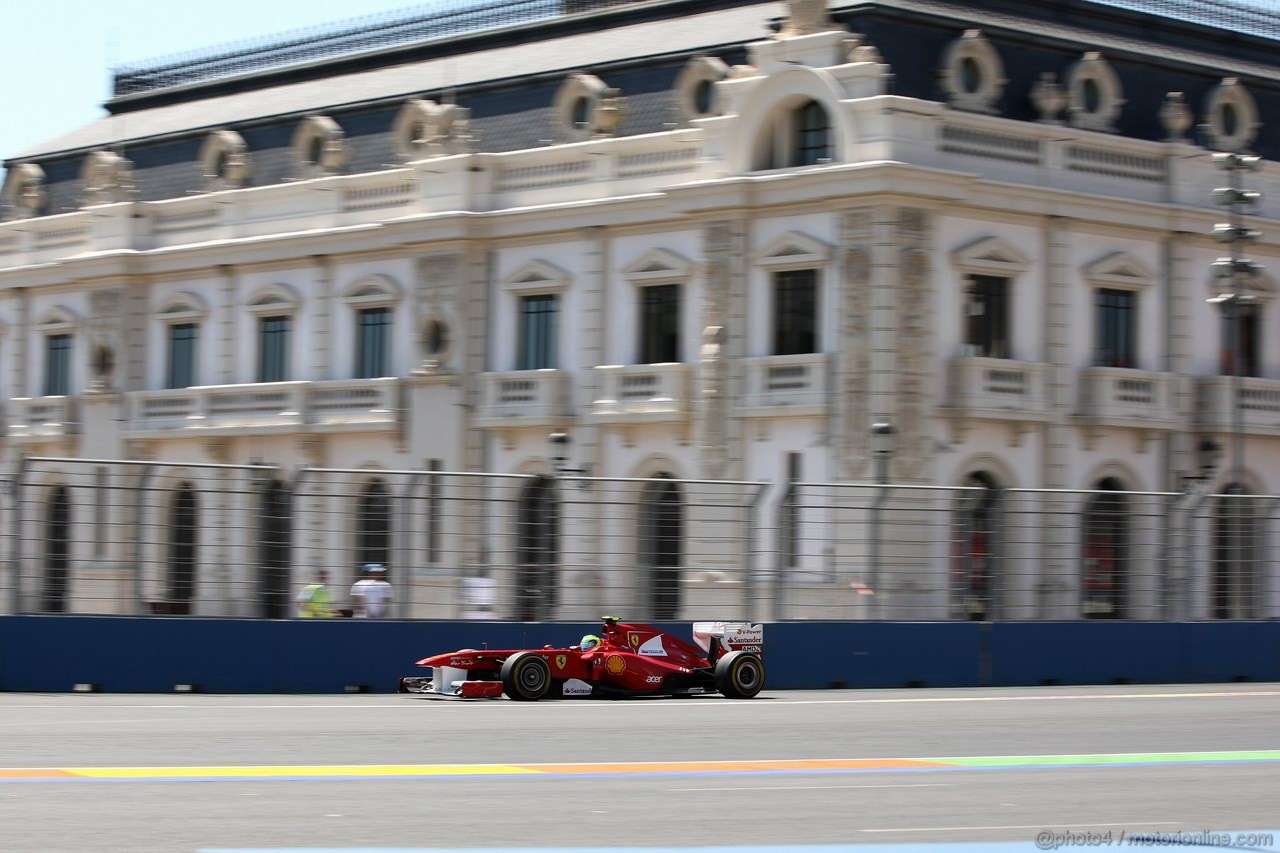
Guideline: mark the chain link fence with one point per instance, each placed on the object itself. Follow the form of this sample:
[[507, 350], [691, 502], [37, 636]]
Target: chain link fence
[[167, 539]]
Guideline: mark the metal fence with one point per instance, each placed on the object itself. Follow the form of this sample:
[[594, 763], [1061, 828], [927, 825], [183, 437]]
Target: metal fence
[[116, 537], [358, 35]]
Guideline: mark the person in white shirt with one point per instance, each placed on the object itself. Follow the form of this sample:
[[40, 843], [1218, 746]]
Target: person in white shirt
[[371, 595]]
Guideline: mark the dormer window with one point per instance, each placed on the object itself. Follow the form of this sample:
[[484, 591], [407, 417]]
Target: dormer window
[[972, 74], [1232, 116], [320, 146], [696, 87], [224, 161], [1094, 94]]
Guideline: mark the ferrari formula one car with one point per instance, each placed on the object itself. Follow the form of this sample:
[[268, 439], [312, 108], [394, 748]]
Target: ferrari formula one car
[[625, 660]]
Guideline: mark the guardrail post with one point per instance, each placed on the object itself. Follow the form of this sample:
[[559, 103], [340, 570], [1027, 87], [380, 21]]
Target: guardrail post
[[139, 526], [15, 563], [403, 546]]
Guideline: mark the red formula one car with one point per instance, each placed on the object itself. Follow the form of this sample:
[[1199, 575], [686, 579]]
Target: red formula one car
[[625, 660]]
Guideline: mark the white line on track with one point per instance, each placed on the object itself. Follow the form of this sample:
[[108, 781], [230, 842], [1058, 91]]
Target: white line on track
[[1025, 826], [809, 787], [699, 703]]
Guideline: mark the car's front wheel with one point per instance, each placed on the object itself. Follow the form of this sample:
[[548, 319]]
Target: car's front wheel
[[740, 675], [526, 677]]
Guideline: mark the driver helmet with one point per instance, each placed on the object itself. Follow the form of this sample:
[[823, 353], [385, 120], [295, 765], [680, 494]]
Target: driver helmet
[[590, 641]]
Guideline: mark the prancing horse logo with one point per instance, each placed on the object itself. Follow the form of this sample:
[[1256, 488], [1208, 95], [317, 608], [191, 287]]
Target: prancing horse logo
[[634, 639], [561, 660]]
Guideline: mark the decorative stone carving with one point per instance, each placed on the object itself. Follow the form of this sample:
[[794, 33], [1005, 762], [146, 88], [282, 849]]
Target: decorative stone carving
[[24, 189], [437, 285], [972, 74], [320, 147], [1094, 94], [1176, 117], [611, 112], [1049, 97], [806, 17], [1232, 116], [218, 450], [856, 237], [695, 92], [106, 177], [225, 161], [106, 316], [713, 423], [425, 129], [860, 51]]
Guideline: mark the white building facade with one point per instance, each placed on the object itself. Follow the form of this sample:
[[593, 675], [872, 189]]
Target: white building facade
[[800, 252]]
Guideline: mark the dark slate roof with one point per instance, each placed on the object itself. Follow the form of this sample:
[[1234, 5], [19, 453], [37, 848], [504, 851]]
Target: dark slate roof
[[509, 84]]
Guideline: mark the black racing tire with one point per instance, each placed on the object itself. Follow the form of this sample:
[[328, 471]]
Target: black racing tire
[[526, 677], [740, 675]]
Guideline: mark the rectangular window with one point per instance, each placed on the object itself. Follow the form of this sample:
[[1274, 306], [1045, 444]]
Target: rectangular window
[[660, 324], [795, 312], [182, 356], [1246, 327], [273, 349], [1115, 346], [537, 344], [987, 329], [57, 366], [373, 343]]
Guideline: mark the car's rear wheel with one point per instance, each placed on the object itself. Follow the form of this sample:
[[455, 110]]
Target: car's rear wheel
[[526, 677], [740, 675]]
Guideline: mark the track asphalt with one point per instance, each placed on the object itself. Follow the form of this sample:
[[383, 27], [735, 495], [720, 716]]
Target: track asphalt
[[801, 772]]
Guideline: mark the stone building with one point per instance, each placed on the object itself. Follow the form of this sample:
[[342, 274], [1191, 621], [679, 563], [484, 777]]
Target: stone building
[[704, 240]]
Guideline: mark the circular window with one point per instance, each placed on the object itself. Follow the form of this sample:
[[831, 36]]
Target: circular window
[[970, 75], [703, 95], [1090, 96], [1230, 119], [581, 112]]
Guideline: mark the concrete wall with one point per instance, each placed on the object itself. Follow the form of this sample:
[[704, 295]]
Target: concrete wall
[[121, 654]]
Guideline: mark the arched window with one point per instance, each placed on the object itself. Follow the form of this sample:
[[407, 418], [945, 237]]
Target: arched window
[[1104, 560], [1235, 553], [183, 541], [974, 560], [373, 531], [661, 538], [57, 552], [813, 141], [274, 550], [537, 550]]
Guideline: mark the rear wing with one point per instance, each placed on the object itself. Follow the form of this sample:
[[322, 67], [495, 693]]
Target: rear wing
[[718, 637]]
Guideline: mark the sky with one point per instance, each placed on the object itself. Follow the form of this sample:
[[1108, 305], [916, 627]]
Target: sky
[[55, 66]]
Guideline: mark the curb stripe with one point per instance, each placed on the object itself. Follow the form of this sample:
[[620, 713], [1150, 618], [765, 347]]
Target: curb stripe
[[672, 768]]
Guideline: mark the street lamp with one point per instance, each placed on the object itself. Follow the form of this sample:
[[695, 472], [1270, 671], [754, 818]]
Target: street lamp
[[1235, 271], [883, 439]]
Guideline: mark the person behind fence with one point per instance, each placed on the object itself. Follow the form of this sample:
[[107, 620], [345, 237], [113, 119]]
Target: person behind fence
[[314, 601], [371, 595]]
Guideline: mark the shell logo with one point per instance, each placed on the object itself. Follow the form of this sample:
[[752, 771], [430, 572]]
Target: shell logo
[[616, 664]]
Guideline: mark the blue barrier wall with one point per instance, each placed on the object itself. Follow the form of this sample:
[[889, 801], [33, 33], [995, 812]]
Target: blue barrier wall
[[125, 654]]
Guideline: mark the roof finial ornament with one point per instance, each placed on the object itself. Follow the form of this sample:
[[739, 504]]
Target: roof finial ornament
[[806, 17]]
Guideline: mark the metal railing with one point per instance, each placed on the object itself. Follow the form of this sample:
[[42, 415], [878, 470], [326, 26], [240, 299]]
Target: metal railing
[[163, 538], [1255, 17], [357, 35]]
